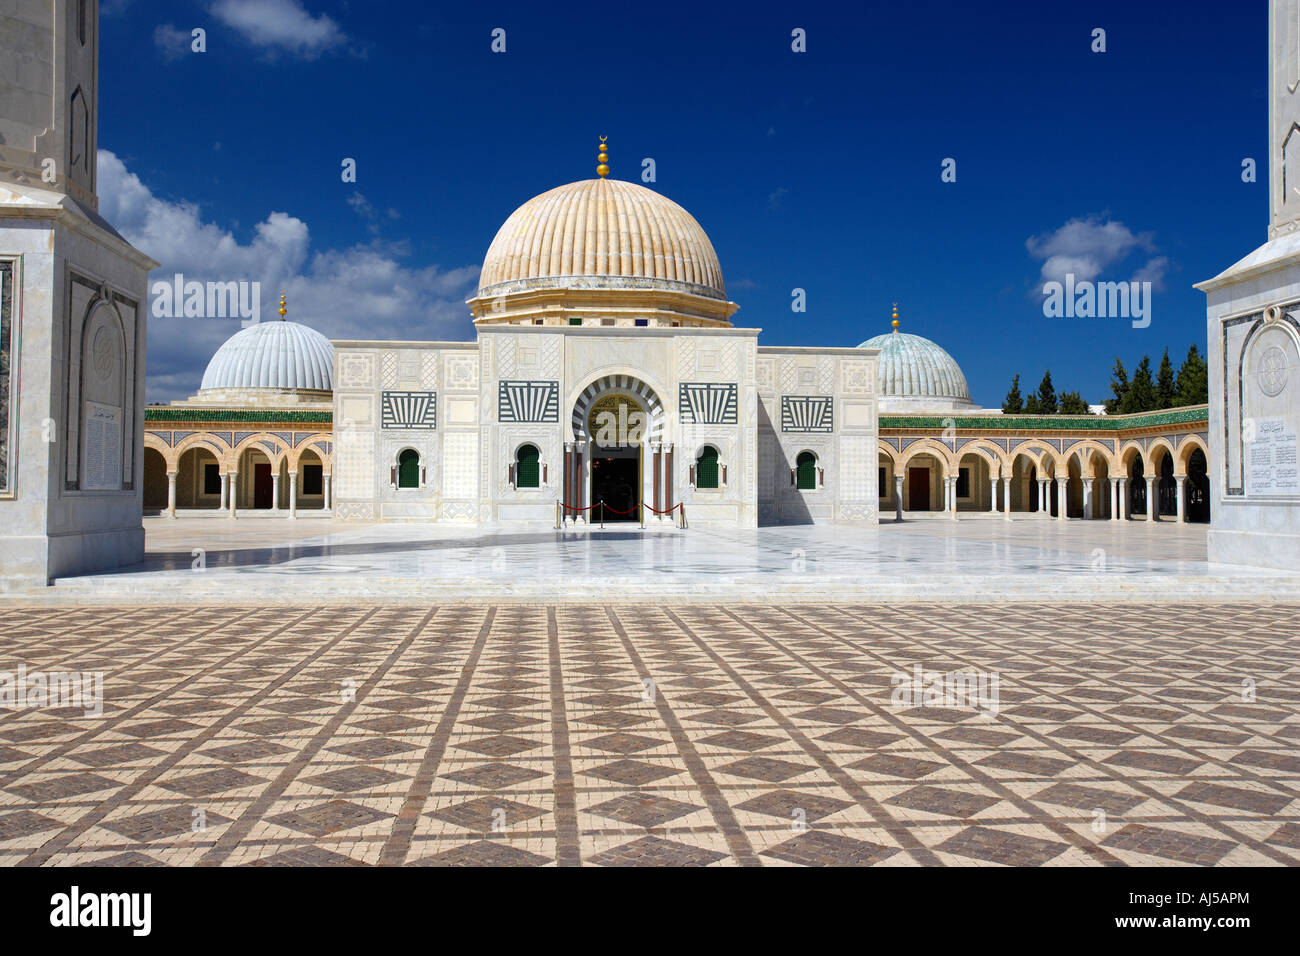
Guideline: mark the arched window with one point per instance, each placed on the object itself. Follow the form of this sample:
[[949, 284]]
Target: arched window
[[806, 471], [706, 468], [527, 469], [408, 469]]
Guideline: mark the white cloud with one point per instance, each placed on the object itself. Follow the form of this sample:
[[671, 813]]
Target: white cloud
[[1085, 247], [280, 25], [1153, 272], [365, 291], [173, 43]]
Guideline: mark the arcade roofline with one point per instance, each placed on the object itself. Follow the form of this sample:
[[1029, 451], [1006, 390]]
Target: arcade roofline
[[1062, 423], [172, 414]]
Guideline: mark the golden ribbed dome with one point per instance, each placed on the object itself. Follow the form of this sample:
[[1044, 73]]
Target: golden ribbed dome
[[601, 233]]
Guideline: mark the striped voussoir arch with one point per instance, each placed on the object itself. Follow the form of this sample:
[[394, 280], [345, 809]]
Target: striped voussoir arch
[[619, 383]]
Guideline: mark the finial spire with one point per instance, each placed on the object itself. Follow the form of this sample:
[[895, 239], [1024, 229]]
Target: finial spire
[[283, 310], [603, 159], [895, 322]]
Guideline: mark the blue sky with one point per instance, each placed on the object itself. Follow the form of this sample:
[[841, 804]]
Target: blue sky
[[816, 170]]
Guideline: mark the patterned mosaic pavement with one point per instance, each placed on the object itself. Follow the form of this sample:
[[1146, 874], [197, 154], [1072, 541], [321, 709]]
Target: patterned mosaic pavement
[[696, 735]]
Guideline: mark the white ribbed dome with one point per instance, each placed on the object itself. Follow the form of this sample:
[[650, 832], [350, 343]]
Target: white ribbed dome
[[601, 229], [913, 367], [277, 355]]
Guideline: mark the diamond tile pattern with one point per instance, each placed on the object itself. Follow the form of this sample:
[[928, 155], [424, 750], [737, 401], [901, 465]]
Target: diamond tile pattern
[[523, 735]]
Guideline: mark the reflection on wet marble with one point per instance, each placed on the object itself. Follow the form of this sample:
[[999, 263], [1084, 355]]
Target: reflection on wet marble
[[281, 560]]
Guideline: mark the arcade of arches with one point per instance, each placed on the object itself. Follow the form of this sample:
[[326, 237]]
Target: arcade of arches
[[244, 462], [1150, 467]]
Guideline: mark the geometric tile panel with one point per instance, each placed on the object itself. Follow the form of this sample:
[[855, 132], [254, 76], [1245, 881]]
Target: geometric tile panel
[[529, 402], [705, 404], [410, 410], [806, 413]]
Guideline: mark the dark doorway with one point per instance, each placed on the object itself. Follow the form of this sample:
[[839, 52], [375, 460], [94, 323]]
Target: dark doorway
[[261, 486], [918, 489], [1033, 489], [1198, 488], [1137, 489], [614, 481]]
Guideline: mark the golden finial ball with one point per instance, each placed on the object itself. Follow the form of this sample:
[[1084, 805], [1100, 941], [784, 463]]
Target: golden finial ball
[[602, 170]]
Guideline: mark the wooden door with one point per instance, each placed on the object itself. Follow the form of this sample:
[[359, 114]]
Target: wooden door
[[262, 486], [918, 489]]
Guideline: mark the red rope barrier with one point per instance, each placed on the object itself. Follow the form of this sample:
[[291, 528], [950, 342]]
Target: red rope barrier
[[668, 512]]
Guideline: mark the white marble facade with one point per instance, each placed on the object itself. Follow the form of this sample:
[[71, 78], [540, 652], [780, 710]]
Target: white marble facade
[[72, 298], [1253, 325], [467, 408]]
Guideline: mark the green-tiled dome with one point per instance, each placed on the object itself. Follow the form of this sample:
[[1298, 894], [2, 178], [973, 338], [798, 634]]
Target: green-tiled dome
[[912, 366]]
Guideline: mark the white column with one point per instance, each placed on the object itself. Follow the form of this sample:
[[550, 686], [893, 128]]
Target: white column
[[1151, 498], [171, 494], [1087, 497], [993, 495], [1062, 497], [326, 489], [1042, 498], [1114, 498], [584, 491], [953, 506], [225, 483], [234, 491], [1125, 505], [664, 503], [898, 497], [1006, 498], [1182, 511], [275, 491], [293, 494]]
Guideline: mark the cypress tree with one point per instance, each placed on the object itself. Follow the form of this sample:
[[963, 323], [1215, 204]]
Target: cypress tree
[[1013, 404], [1072, 403], [1046, 395], [1193, 386], [1166, 394], [1118, 387], [1141, 394]]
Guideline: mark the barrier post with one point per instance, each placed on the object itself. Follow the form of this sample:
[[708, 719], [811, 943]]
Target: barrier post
[[602, 514], [640, 507]]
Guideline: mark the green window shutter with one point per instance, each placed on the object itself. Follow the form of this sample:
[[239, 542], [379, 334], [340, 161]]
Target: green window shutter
[[527, 469], [408, 469], [706, 468], [806, 466]]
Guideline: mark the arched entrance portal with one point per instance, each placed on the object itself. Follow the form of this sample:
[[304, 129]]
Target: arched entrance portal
[[616, 423], [610, 474]]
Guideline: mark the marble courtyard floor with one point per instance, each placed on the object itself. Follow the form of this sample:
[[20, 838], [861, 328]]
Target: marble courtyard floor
[[607, 734], [315, 560]]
